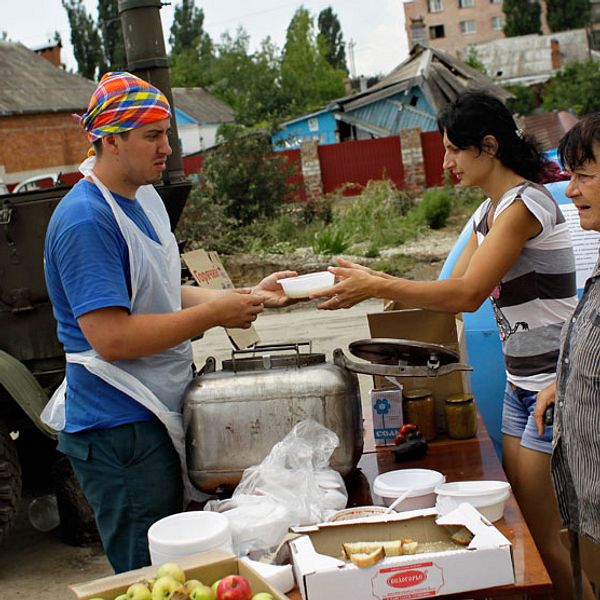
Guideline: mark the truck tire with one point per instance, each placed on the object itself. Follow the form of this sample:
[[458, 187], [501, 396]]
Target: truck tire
[[10, 483], [77, 522]]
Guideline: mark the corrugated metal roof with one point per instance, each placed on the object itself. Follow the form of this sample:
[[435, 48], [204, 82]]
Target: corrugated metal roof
[[31, 84], [202, 106], [528, 56]]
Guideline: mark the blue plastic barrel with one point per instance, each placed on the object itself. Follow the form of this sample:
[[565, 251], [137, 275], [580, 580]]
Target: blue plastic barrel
[[483, 343]]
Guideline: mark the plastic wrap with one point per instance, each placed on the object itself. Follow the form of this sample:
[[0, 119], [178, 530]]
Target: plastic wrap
[[293, 485]]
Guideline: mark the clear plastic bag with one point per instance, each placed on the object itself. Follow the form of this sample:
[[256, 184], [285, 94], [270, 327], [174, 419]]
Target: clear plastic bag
[[293, 485]]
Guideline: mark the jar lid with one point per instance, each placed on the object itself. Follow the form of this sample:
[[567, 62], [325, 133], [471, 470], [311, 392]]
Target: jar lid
[[458, 398], [416, 393]]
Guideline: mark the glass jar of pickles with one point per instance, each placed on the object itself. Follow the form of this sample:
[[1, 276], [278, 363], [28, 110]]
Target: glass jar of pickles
[[420, 411], [461, 416]]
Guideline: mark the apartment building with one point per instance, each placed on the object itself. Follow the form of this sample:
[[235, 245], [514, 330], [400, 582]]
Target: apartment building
[[453, 25]]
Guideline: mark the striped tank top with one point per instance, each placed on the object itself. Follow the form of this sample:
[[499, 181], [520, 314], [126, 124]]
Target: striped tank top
[[538, 293]]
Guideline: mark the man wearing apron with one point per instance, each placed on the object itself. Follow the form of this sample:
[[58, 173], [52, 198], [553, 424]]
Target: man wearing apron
[[113, 274]]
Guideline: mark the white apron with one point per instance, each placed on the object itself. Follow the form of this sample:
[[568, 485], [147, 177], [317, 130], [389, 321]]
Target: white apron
[[155, 288]]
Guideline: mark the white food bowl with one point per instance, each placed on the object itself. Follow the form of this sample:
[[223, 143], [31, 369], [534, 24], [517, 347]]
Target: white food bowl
[[305, 285], [357, 512], [421, 484], [488, 497]]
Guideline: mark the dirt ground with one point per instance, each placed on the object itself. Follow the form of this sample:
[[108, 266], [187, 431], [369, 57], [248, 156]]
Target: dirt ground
[[38, 565]]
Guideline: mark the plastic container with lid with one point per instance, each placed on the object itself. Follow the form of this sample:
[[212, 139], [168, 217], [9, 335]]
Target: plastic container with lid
[[187, 533], [488, 497], [461, 416], [420, 411], [421, 483]]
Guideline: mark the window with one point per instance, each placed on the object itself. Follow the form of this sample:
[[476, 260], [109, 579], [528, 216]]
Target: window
[[313, 124], [436, 31], [495, 1], [497, 23], [434, 6], [466, 3], [467, 27]]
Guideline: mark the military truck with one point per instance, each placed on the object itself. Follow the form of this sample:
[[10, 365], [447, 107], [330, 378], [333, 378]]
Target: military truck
[[32, 362]]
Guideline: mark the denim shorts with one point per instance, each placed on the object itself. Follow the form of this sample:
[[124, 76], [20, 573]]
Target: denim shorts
[[518, 419]]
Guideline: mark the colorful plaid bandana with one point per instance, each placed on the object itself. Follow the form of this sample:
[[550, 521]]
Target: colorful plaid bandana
[[120, 103]]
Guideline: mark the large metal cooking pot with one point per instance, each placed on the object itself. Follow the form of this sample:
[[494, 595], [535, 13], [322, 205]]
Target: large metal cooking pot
[[233, 417]]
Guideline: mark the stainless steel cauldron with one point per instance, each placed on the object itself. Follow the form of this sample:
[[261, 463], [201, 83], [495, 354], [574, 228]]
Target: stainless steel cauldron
[[234, 417]]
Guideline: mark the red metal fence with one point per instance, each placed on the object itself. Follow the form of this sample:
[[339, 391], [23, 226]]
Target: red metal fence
[[433, 155], [360, 161]]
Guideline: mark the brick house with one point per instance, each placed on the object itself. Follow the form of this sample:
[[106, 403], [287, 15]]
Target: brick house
[[37, 132]]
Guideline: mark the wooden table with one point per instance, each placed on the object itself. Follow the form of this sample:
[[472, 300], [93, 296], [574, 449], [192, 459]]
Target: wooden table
[[461, 460]]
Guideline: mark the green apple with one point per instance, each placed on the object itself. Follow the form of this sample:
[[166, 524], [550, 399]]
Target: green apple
[[214, 586], [164, 587], [262, 596], [138, 591], [190, 584], [122, 597], [202, 592], [172, 569]]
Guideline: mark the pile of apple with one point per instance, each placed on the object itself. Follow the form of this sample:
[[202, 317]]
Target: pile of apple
[[170, 583]]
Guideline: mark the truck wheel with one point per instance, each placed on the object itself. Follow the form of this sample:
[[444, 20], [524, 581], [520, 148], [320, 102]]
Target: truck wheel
[[10, 483], [77, 523]]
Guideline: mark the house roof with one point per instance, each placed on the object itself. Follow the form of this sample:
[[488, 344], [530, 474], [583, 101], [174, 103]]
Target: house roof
[[202, 106], [31, 84], [527, 59], [548, 127], [441, 77]]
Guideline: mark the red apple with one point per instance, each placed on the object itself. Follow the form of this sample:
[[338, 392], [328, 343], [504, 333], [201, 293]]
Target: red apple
[[234, 587]]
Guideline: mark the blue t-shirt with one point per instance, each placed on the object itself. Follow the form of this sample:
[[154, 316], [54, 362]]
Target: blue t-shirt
[[87, 268]]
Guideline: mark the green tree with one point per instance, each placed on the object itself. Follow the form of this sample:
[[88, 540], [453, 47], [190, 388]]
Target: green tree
[[113, 47], [248, 82], [568, 14], [245, 177], [307, 79], [525, 99], [84, 38], [332, 40], [522, 17], [191, 47], [575, 87]]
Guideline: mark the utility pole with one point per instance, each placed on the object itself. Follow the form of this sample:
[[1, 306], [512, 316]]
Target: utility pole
[[351, 44]]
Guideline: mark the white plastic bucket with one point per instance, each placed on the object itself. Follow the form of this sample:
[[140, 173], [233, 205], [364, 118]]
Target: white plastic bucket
[[420, 482], [186, 533], [488, 497]]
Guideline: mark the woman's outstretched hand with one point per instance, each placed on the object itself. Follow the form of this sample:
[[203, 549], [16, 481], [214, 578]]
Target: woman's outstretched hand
[[355, 284]]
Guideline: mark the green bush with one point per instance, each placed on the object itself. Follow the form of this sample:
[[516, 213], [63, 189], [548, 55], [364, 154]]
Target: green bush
[[331, 240], [435, 207]]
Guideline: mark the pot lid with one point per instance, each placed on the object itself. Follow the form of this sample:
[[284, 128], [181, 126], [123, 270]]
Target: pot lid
[[391, 351]]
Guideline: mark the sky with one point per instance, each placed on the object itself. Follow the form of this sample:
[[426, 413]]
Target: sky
[[375, 28]]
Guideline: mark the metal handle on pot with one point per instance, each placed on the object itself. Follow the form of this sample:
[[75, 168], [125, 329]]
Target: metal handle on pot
[[340, 359], [260, 348]]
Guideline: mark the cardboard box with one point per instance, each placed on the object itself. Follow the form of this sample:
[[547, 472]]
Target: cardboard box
[[430, 327], [322, 575], [386, 405], [208, 272], [205, 566]]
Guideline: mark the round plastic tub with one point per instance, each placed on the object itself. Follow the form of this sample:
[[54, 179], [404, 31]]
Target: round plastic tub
[[421, 484], [357, 512], [187, 533], [305, 285], [488, 497]]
